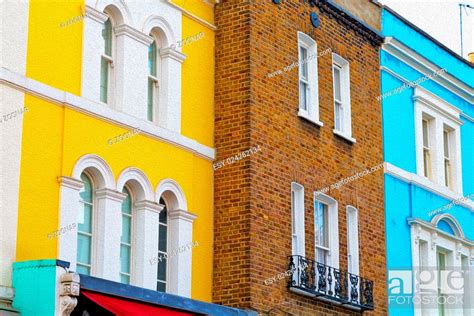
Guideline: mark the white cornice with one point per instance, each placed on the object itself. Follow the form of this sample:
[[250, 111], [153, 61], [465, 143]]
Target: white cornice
[[432, 228], [169, 52], [182, 215], [437, 104], [102, 112], [424, 66], [110, 194], [95, 15], [428, 185], [192, 16], [404, 80], [70, 183], [148, 206], [133, 33]]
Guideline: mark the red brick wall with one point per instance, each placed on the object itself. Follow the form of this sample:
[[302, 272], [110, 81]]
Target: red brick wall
[[252, 196]]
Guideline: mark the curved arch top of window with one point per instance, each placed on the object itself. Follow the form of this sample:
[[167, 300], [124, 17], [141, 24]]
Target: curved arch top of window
[[305, 38], [97, 168], [117, 10], [85, 226], [160, 29], [448, 219], [152, 59], [162, 268], [126, 238], [137, 181], [172, 194]]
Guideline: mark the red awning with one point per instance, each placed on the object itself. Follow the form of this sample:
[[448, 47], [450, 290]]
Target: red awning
[[124, 307]]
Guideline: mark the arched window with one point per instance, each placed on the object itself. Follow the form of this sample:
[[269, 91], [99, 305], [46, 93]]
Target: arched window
[[84, 230], [152, 81], [106, 62], [126, 238], [162, 248]]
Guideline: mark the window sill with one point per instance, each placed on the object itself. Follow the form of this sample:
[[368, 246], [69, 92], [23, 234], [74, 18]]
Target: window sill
[[345, 136], [306, 117]]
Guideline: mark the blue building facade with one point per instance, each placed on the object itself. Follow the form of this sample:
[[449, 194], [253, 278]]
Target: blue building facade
[[428, 136]]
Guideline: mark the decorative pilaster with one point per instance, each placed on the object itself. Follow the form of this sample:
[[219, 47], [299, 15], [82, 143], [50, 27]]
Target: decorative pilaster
[[69, 290], [181, 234], [434, 237], [68, 213], [109, 219], [146, 244]]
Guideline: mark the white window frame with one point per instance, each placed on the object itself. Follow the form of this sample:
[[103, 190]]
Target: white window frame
[[110, 60], [433, 239], [297, 220], [132, 245], [333, 227], [442, 116], [345, 88], [160, 253], [352, 239], [448, 182], [155, 79], [312, 111], [94, 228], [427, 163]]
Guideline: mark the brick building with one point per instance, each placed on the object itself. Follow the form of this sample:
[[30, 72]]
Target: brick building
[[299, 80]]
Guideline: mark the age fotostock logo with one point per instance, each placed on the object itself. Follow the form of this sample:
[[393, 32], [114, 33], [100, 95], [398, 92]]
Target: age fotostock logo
[[428, 288]]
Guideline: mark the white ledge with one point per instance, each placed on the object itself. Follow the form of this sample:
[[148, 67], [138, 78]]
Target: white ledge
[[427, 68], [134, 34], [430, 226], [306, 117], [95, 15], [427, 185], [104, 113], [345, 136]]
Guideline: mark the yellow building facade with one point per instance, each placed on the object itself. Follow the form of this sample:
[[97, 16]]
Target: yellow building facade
[[112, 154]]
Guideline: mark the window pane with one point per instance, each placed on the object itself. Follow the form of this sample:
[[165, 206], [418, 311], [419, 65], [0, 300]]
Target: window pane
[[163, 213], [107, 37], [426, 162], [152, 59], [104, 79], [162, 270], [446, 144], [83, 270], [320, 224], [160, 286], [125, 279], [425, 133], [303, 95], [83, 249], [447, 173], [337, 83], [151, 86], [321, 256], [86, 191], [84, 240], [303, 63], [124, 258], [127, 202], [162, 238], [126, 229], [338, 116], [85, 222]]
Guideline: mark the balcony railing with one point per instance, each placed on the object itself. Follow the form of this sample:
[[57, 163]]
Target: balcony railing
[[311, 278]]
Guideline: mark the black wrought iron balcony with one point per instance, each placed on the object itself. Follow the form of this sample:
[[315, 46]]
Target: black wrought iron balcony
[[311, 278]]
